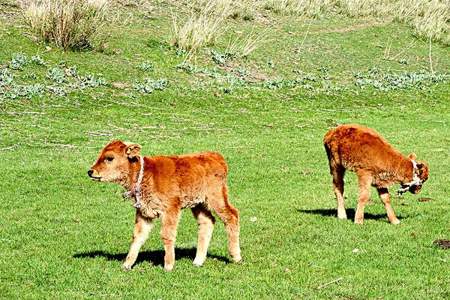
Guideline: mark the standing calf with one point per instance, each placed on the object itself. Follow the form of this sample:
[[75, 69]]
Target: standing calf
[[161, 186], [376, 163]]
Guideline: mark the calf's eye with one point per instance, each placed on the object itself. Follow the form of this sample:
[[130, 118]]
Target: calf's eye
[[109, 159]]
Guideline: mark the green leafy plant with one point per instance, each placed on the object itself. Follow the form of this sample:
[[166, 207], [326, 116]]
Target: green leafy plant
[[146, 66], [221, 58], [57, 90], [25, 91], [90, 81], [187, 67], [6, 77], [57, 75], [37, 60], [392, 81], [18, 61], [149, 85]]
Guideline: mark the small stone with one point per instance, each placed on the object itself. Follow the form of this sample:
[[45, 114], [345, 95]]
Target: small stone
[[253, 219], [356, 250]]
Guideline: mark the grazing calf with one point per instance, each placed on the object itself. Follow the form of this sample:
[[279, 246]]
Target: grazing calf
[[364, 151], [161, 186]]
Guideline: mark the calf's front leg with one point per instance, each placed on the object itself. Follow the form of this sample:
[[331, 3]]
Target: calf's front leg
[[169, 223], [142, 228], [385, 197]]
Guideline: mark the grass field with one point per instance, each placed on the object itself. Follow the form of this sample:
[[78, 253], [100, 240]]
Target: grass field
[[64, 236]]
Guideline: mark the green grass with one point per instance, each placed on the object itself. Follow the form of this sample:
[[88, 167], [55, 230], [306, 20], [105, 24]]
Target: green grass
[[63, 236]]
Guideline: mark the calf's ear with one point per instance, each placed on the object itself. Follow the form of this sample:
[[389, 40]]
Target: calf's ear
[[423, 170], [132, 150], [412, 156]]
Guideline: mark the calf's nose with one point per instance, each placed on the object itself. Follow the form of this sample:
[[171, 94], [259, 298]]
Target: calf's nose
[[90, 173]]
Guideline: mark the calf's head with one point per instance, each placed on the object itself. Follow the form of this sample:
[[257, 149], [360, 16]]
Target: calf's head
[[421, 171], [115, 162]]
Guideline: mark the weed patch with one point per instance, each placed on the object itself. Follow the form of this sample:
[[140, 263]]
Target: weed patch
[[6, 77], [37, 60], [63, 79], [18, 61], [24, 91], [148, 85], [221, 58], [391, 81], [90, 81], [146, 66], [56, 74]]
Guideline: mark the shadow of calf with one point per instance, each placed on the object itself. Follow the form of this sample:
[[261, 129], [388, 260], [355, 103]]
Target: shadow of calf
[[156, 257], [331, 212]]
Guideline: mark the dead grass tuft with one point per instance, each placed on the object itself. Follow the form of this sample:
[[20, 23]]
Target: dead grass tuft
[[429, 18], [69, 24], [203, 26]]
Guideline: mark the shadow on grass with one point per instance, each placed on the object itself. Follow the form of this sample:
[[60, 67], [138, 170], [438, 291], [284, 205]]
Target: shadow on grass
[[332, 212], [156, 257]]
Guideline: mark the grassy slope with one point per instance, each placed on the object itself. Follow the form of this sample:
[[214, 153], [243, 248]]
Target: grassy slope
[[65, 236]]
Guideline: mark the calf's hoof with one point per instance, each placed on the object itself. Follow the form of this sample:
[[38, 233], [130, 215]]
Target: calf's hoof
[[237, 258], [168, 267], [342, 216], [359, 221], [126, 267], [395, 221], [198, 262]]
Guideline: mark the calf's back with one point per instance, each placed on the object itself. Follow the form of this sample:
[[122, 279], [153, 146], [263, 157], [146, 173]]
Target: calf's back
[[358, 147]]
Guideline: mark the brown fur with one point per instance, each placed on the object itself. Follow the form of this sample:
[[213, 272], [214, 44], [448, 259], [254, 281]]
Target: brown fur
[[170, 183], [376, 163]]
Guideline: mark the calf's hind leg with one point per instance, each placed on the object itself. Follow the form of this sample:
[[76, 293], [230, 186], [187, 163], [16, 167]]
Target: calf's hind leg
[[230, 216], [364, 182], [384, 195], [338, 173], [205, 221]]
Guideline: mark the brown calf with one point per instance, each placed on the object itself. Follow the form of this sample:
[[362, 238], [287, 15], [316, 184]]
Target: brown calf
[[364, 151], [161, 186]]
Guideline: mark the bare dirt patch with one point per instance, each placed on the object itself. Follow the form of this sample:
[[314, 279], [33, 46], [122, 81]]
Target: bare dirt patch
[[444, 244], [424, 199]]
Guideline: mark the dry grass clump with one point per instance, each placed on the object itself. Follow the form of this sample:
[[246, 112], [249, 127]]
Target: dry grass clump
[[429, 18], [244, 46], [244, 9], [364, 8], [206, 19], [203, 26], [309, 8], [70, 24]]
